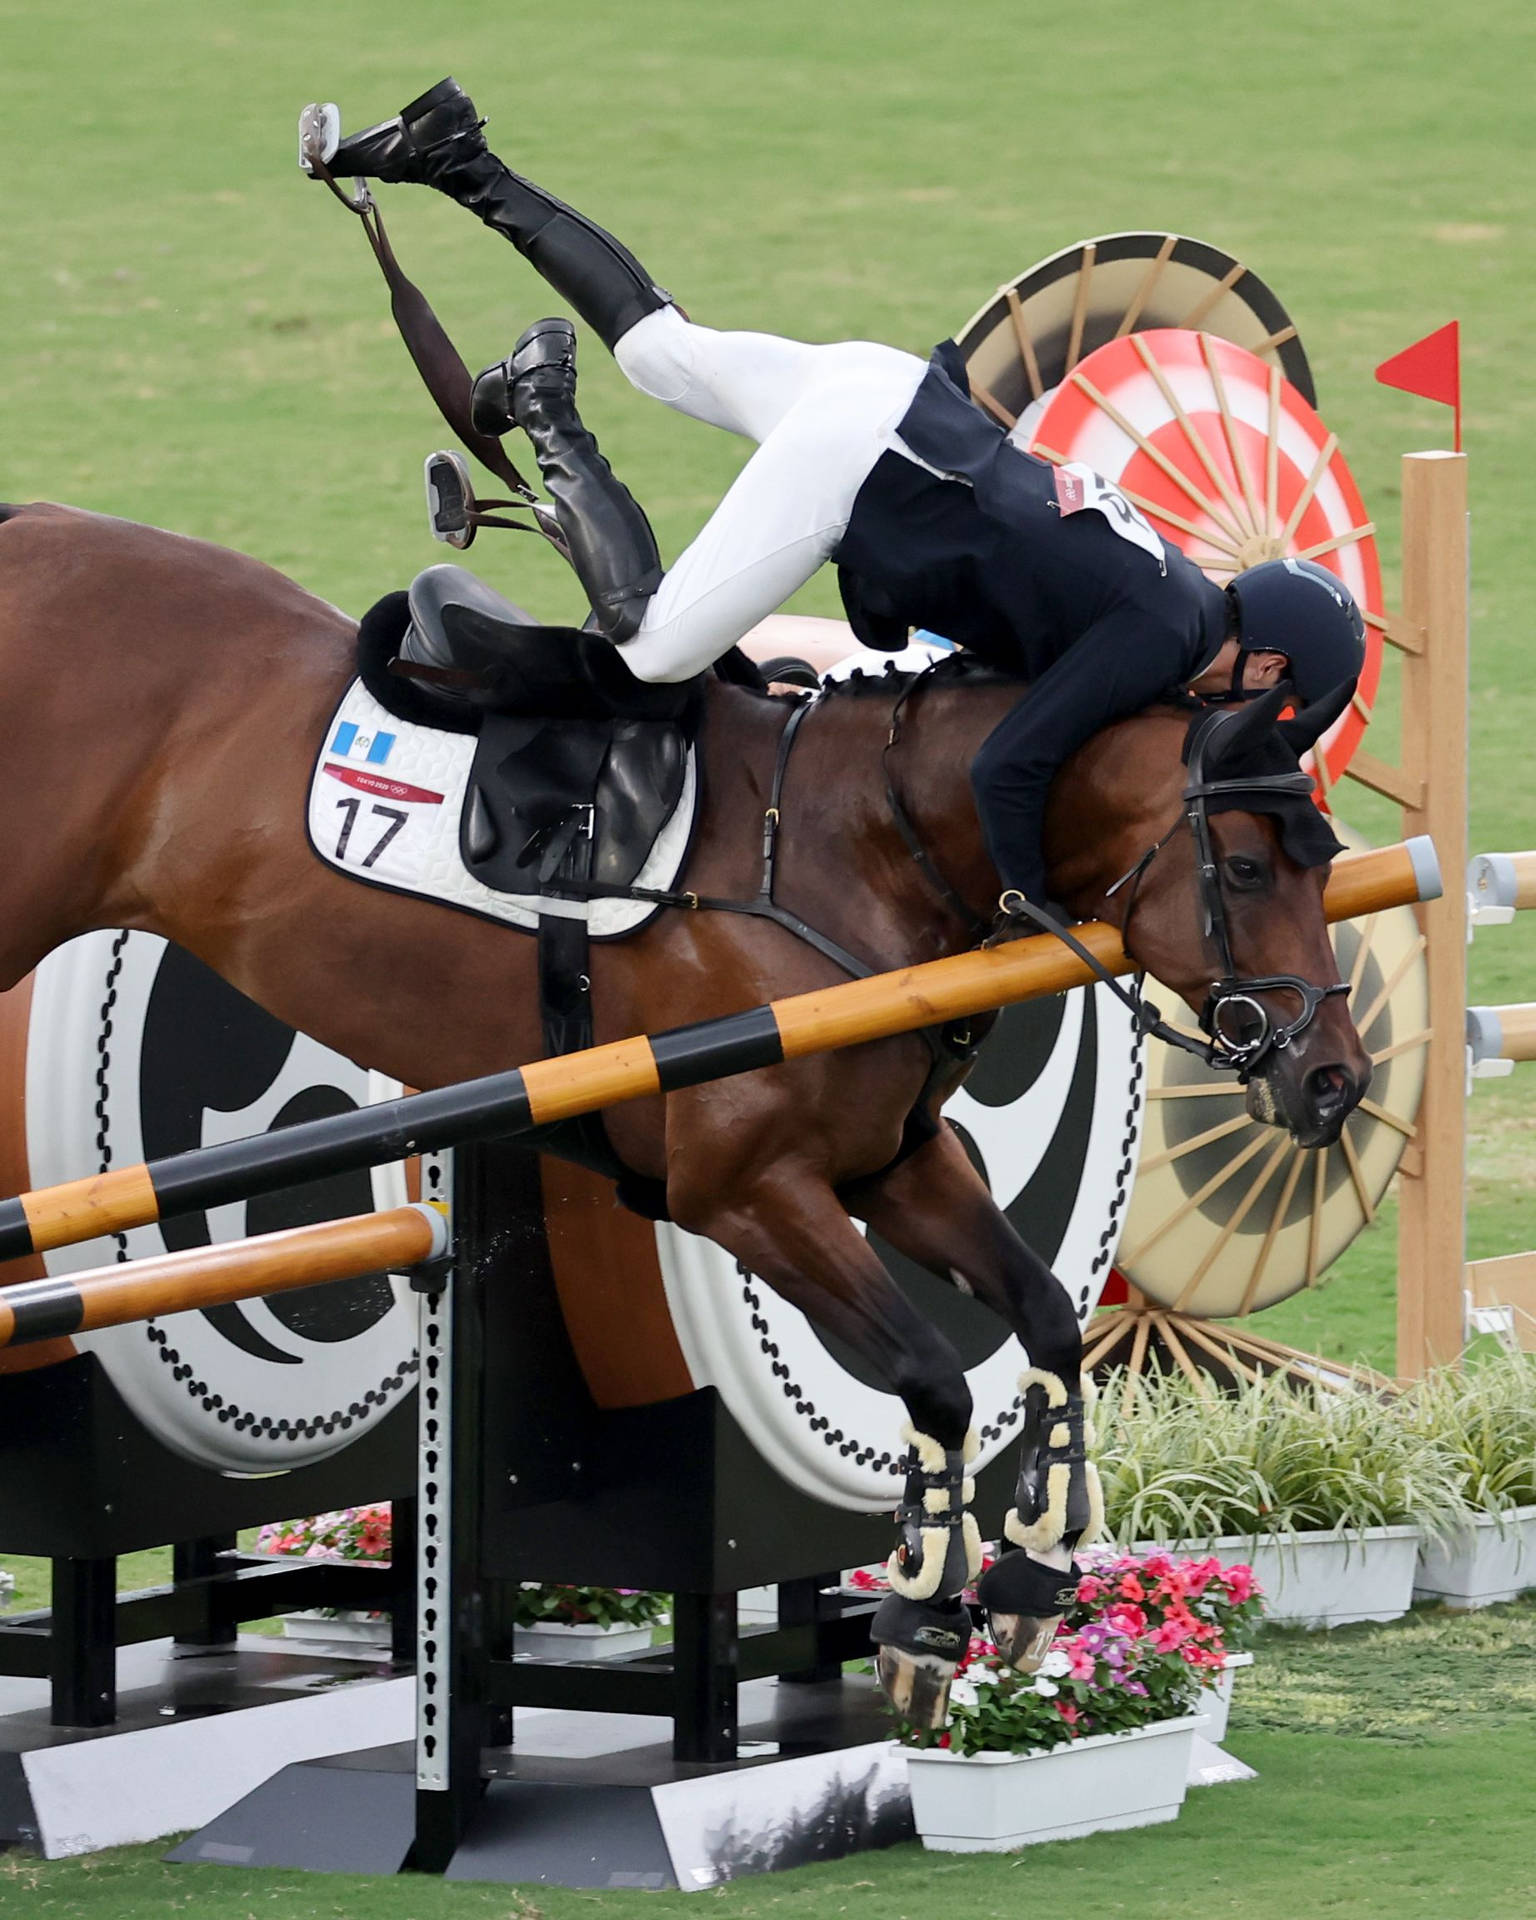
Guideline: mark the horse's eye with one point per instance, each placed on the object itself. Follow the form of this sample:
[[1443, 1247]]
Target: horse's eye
[[1245, 872]]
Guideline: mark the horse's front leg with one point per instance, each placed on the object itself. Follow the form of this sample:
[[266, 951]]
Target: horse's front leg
[[935, 1208], [788, 1227]]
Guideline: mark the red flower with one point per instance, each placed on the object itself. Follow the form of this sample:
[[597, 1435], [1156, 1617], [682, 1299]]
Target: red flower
[[1068, 1712], [1239, 1583], [1126, 1619], [1130, 1588], [1089, 1589], [943, 1740], [1169, 1636]]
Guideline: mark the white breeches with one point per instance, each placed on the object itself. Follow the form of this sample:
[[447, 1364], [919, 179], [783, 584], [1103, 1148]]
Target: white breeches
[[822, 416]]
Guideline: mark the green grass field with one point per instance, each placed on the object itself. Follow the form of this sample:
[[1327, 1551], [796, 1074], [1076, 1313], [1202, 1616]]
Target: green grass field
[[192, 335]]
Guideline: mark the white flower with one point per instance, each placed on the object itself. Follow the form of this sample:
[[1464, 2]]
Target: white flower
[[1055, 1666], [1047, 1689], [980, 1676], [962, 1692]]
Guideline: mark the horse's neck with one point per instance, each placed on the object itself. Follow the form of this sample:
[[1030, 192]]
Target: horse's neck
[[847, 867]]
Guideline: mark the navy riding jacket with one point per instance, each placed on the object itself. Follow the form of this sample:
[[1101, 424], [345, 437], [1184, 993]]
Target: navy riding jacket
[[973, 544]]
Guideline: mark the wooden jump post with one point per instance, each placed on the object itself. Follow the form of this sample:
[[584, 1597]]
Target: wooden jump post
[[1430, 786], [524, 1099]]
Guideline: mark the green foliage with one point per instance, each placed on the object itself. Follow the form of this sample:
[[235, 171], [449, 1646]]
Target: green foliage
[[541, 1605], [1484, 1417], [1179, 1464]]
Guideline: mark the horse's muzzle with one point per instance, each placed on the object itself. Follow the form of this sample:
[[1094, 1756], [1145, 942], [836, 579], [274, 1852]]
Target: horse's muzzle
[[1310, 1100]]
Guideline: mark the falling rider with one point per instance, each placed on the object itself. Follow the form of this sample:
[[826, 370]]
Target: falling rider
[[879, 461]]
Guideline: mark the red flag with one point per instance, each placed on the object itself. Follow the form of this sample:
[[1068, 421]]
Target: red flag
[[1431, 368]]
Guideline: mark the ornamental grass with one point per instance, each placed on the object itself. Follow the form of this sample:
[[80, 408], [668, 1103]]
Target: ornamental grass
[[1269, 1458], [1484, 1417]]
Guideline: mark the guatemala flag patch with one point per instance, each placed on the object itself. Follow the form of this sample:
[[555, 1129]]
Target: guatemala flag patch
[[353, 742]]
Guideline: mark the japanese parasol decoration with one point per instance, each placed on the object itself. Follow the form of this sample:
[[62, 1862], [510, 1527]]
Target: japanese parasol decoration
[[1230, 463]]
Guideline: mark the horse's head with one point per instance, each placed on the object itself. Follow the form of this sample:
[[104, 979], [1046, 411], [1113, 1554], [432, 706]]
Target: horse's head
[[1225, 939]]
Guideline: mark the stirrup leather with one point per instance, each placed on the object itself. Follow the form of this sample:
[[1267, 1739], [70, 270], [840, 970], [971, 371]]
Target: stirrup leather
[[1058, 1496], [940, 1550]]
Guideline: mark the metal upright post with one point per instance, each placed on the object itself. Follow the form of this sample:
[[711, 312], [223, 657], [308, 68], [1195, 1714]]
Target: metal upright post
[[198, 1560], [450, 1661], [83, 1643], [705, 1676]]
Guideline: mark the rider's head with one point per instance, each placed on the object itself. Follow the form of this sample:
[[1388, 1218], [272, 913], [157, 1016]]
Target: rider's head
[[1289, 620]]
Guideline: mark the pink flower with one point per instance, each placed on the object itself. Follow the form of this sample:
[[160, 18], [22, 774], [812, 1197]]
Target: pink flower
[[1169, 1636], [1240, 1583], [1126, 1619], [1089, 1589], [1082, 1663], [1068, 1712]]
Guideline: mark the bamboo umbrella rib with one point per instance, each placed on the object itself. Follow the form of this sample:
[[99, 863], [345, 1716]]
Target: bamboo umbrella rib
[[1156, 455], [1315, 1223], [1170, 1333], [1197, 1199], [1149, 280], [1367, 936], [1240, 1214], [1227, 1355], [1362, 1192], [1170, 1154], [1396, 631], [1080, 305], [1276, 1221], [1272, 452], [993, 405], [1209, 299], [1111, 1331], [1229, 428], [1273, 340], [1389, 1119], [1314, 480], [1176, 407], [1137, 1360], [1384, 993], [1419, 1039], [1360, 704], [1338, 540], [1026, 344], [1195, 1093], [1320, 771]]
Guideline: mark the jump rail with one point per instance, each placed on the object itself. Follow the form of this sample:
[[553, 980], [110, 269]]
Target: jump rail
[[213, 1276], [523, 1099]]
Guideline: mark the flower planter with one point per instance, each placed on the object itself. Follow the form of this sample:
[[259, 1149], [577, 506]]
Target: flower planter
[[1216, 1702], [994, 1802], [1321, 1579], [571, 1640], [350, 1628], [1489, 1560], [757, 1607]]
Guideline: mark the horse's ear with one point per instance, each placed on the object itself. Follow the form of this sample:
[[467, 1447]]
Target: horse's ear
[[1303, 731], [1234, 733]]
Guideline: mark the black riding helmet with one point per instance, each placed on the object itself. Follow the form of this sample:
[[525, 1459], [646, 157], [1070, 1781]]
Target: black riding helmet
[[1300, 609]]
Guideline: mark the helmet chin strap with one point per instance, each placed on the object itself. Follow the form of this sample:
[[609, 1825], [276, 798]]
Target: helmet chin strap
[[1237, 691]]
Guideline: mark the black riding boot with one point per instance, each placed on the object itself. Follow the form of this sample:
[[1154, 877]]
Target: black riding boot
[[436, 141], [612, 547]]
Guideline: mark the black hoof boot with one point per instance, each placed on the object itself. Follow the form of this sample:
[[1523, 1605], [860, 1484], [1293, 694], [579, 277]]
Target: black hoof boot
[[918, 1645], [396, 150], [1058, 1496], [1025, 1601]]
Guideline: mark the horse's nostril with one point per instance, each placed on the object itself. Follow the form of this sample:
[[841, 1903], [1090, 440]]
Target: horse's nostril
[[1328, 1090]]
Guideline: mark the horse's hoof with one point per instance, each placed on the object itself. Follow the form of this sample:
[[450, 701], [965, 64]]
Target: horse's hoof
[[917, 1686], [1025, 1601], [918, 1645]]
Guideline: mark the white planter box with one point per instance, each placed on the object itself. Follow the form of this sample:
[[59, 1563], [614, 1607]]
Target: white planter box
[[1216, 1702], [758, 1607], [1320, 1579], [559, 1640], [358, 1631], [994, 1802], [1483, 1564]]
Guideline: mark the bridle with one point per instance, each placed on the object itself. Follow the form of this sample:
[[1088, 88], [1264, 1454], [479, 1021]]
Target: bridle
[[1241, 1032]]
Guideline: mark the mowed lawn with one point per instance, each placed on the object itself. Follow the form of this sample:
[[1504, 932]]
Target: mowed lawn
[[1394, 1780], [193, 335]]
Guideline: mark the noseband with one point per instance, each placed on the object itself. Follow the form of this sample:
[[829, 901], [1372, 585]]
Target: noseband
[[1241, 1031]]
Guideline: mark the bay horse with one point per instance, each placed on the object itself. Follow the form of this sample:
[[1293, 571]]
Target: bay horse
[[165, 701]]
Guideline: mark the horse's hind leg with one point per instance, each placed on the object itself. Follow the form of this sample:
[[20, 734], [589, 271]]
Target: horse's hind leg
[[790, 1230], [935, 1208]]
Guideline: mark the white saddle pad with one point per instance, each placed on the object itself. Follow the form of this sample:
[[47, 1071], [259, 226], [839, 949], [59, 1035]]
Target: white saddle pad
[[385, 804]]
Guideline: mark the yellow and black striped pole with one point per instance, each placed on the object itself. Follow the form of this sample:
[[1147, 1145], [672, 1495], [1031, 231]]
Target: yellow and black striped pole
[[213, 1276], [526, 1098]]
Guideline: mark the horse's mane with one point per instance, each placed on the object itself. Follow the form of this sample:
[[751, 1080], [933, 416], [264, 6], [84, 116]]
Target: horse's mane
[[954, 669]]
